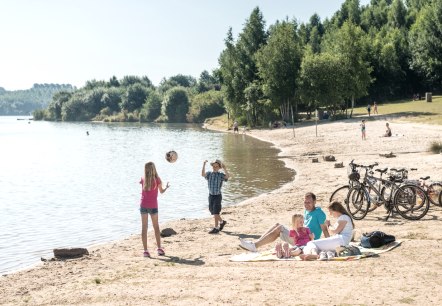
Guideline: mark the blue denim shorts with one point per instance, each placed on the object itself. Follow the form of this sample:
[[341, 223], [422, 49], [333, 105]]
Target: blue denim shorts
[[152, 211]]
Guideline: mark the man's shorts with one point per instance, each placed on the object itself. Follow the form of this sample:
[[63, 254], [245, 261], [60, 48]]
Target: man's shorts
[[151, 211], [284, 235], [215, 204]]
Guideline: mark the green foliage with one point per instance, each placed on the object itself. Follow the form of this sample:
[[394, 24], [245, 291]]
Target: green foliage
[[322, 82], [23, 102], [152, 108], [426, 43], [279, 63], [134, 97], [206, 105], [175, 105]]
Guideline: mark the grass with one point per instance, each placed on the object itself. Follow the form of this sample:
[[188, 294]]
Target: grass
[[403, 110], [410, 111]]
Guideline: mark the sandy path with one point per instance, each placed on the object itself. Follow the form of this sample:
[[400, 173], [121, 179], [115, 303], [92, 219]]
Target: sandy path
[[197, 269]]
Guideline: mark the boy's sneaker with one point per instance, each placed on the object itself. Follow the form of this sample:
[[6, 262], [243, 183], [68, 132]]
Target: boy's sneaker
[[323, 255], [221, 226], [247, 245], [214, 231], [330, 255]]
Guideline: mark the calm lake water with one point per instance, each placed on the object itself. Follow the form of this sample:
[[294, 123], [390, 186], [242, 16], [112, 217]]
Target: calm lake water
[[60, 187]]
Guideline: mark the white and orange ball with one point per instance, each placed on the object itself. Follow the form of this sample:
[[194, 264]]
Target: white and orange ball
[[171, 156]]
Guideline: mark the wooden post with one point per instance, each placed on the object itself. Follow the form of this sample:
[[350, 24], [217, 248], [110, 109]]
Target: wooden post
[[316, 119], [293, 123]]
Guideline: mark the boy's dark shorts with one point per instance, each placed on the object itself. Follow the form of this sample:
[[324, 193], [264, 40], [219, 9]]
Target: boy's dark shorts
[[215, 204]]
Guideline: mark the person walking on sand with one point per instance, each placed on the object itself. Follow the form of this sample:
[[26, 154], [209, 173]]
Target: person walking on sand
[[314, 219], [342, 231], [368, 109], [375, 108], [150, 185], [215, 180], [300, 235], [363, 129], [235, 127]]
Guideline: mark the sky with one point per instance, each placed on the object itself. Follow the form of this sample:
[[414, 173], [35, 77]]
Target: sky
[[73, 41]]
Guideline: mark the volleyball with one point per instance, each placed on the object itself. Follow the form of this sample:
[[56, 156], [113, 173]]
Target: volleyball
[[171, 156]]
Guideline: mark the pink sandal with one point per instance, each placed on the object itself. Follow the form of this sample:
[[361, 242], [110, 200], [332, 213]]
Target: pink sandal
[[278, 249], [161, 252], [146, 254]]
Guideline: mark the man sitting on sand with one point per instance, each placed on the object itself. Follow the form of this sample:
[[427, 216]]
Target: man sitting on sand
[[314, 219]]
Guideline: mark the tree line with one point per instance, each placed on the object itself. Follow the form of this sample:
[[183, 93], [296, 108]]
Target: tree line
[[385, 50], [24, 102]]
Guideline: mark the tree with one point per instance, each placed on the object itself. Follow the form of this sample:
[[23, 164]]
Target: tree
[[238, 64], [350, 44], [134, 97], [426, 43], [152, 108], [175, 105], [322, 82], [278, 63]]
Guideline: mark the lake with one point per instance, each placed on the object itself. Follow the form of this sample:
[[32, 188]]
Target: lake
[[61, 187]]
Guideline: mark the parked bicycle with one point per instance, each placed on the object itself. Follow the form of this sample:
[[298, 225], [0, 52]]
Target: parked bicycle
[[432, 190], [409, 200], [341, 193]]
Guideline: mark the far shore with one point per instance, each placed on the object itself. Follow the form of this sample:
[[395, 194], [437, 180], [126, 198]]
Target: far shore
[[197, 270]]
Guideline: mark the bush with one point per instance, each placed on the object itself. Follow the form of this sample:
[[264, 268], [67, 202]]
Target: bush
[[436, 147]]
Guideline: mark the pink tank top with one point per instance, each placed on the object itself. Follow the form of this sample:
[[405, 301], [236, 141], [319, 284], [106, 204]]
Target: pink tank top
[[149, 198]]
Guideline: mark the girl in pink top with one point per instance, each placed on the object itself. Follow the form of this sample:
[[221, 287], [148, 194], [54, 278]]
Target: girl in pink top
[[301, 235], [150, 183]]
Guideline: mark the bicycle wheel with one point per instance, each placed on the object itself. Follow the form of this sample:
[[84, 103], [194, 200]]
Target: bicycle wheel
[[440, 199], [433, 192], [411, 202], [374, 199], [340, 194], [357, 204]]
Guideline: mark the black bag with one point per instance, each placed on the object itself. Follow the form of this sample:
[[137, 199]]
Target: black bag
[[376, 239]]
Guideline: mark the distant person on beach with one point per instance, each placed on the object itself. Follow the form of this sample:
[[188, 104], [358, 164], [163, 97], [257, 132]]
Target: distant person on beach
[[368, 109], [388, 130], [375, 108], [235, 127], [300, 235], [150, 185], [342, 231], [215, 180], [314, 219], [363, 129], [87, 133]]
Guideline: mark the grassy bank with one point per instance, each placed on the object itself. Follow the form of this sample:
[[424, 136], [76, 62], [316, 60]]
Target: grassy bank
[[411, 111], [403, 110]]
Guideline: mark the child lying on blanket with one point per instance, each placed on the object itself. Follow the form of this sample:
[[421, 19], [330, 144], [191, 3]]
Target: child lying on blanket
[[300, 234]]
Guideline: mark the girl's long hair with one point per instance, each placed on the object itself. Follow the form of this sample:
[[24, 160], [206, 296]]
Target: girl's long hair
[[294, 218], [150, 176], [337, 206]]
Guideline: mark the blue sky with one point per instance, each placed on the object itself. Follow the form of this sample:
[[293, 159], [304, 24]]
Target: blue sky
[[72, 41]]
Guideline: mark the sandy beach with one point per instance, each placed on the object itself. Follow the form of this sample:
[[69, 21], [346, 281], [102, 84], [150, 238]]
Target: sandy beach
[[197, 270]]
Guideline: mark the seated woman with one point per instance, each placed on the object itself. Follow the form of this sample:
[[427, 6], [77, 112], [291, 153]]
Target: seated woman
[[387, 131], [342, 231]]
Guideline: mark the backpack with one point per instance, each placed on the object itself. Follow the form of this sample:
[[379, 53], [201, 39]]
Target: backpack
[[376, 239]]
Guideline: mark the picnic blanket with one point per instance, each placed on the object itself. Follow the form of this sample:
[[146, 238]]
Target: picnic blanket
[[270, 255]]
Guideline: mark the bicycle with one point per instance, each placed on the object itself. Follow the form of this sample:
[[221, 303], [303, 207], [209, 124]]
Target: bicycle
[[409, 200], [340, 194], [432, 190]]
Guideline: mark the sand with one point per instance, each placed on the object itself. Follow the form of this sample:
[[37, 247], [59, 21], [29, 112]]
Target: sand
[[197, 269]]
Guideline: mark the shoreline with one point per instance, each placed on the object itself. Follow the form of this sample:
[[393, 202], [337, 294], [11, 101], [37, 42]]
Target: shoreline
[[116, 273]]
